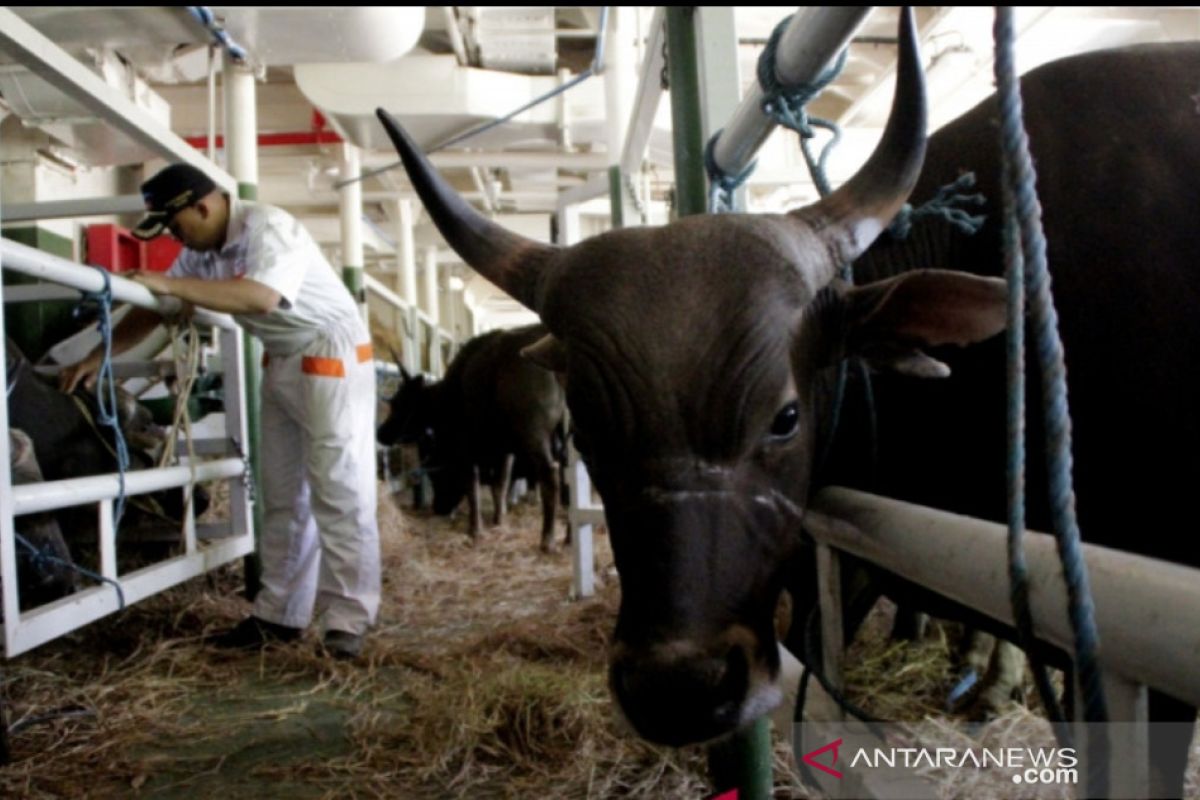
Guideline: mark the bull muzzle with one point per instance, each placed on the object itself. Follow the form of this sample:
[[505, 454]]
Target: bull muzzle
[[683, 692]]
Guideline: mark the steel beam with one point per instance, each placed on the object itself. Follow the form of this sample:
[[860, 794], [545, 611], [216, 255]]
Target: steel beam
[[70, 209], [51, 63], [646, 98]]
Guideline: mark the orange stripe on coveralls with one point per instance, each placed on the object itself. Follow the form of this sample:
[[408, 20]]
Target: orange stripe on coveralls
[[365, 353], [328, 367]]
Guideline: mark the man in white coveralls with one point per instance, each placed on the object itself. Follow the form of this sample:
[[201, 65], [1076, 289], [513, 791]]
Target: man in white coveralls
[[320, 543]]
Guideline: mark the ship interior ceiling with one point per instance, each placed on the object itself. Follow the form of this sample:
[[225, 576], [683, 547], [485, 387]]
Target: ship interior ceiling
[[445, 70]]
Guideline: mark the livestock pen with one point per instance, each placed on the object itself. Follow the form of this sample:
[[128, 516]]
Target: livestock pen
[[488, 674]]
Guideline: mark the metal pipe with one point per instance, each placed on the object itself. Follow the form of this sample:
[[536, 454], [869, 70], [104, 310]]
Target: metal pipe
[[211, 148], [86, 207], [31, 498], [39, 264], [1148, 611], [810, 42]]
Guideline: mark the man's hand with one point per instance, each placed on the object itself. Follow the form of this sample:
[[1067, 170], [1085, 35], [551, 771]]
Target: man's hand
[[85, 371], [156, 282]]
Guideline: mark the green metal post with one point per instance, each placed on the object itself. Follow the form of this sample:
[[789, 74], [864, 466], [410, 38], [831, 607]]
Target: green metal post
[[252, 353], [616, 196], [744, 761], [690, 191]]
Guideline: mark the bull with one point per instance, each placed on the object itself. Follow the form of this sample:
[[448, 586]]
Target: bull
[[1114, 173], [43, 566], [690, 355], [492, 409], [67, 443]]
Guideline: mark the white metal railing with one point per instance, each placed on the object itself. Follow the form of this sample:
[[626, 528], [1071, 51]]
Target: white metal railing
[[26, 630], [1147, 611]]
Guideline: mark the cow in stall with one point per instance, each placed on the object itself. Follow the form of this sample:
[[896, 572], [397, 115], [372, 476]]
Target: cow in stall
[[492, 409], [43, 566], [1115, 136], [690, 355], [68, 442], [694, 357]]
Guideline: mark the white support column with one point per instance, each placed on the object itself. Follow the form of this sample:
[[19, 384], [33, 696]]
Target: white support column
[[350, 205], [406, 281], [406, 251], [432, 311], [10, 604], [241, 127], [619, 87]]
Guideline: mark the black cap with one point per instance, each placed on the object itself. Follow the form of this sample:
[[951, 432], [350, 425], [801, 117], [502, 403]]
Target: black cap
[[173, 189]]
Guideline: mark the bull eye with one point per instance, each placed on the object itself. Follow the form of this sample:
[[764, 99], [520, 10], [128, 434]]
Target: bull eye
[[786, 422]]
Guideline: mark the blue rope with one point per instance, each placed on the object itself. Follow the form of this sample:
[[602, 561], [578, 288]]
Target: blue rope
[[1019, 172], [1018, 571], [786, 105], [722, 185], [39, 558], [106, 390], [205, 17], [944, 204]]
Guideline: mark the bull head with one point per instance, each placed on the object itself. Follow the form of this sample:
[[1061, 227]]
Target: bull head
[[690, 354]]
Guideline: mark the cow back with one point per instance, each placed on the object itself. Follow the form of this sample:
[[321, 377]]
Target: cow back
[[1115, 137]]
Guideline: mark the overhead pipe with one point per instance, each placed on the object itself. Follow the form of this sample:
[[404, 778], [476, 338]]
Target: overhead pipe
[[205, 16], [813, 38]]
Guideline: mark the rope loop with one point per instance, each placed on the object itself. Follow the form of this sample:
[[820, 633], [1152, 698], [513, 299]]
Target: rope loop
[[947, 204], [106, 386], [722, 185], [40, 558]]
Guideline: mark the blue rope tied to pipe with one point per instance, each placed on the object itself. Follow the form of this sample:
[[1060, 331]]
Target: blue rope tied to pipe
[[1018, 170], [41, 557], [722, 185], [786, 105], [945, 204], [205, 17], [106, 388]]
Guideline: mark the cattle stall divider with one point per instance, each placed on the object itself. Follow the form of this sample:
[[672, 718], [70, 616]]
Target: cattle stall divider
[[205, 547], [1147, 610], [427, 346]]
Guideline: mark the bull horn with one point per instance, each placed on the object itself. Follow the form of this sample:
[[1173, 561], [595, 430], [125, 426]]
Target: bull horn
[[510, 261], [849, 219]]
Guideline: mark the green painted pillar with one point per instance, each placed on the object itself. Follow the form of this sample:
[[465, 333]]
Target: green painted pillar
[[241, 156], [742, 762], [616, 196], [691, 195], [252, 352]]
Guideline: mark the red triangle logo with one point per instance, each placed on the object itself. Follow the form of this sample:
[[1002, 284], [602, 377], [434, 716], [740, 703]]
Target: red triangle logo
[[810, 758]]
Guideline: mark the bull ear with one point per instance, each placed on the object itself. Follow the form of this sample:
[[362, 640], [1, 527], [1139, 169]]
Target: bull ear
[[548, 353], [888, 321]]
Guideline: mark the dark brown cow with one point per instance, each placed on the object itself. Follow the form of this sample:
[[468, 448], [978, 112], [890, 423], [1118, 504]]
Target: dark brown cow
[[690, 354], [493, 408], [1116, 139]]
